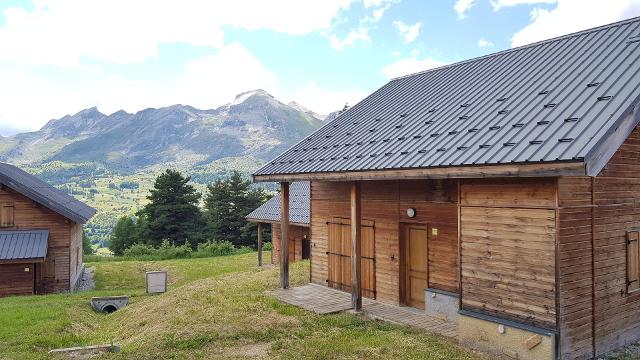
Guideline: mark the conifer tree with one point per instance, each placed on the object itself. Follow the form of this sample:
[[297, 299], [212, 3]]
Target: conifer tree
[[172, 212]]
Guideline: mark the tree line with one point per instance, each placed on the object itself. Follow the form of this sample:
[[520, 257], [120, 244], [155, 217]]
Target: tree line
[[174, 215]]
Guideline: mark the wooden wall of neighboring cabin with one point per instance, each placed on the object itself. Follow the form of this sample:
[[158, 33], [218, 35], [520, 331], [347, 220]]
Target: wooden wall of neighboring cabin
[[385, 204], [296, 234], [595, 309], [616, 196], [54, 274], [508, 236], [574, 267], [75, 253]]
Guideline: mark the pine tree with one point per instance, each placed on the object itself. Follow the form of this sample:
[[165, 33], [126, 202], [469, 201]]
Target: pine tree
[[172, 212], [227, 203], [123, 235]]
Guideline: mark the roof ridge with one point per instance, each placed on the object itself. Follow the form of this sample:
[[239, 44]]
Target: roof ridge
[[522, 47]]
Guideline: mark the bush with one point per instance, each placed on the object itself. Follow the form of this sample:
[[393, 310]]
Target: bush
[[169, 251], [216, 248], [267, 246], [139, 250]]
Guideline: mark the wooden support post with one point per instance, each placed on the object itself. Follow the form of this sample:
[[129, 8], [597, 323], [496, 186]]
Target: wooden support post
[[284, 235], [259, 244], [356, 247]]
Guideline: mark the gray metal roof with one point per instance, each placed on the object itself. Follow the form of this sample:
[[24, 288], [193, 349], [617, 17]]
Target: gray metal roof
[[45, 194], [27, 244], [299, 205], [551, 101]]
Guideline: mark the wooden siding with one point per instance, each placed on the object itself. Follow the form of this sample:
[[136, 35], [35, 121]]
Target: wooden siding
[[385, 203], [75, 253], [617, 208], [15, 280], [574, 268], [54, 275], [508, 236], [296, 233]]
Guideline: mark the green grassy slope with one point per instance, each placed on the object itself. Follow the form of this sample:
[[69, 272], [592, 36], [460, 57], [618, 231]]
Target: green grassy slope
[[216, 308]]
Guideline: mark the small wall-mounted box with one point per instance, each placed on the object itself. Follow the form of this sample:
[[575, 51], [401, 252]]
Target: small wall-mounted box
[[156, 282]]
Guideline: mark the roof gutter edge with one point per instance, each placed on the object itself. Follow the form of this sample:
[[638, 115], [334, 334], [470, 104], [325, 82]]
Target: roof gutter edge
[[550, 169]]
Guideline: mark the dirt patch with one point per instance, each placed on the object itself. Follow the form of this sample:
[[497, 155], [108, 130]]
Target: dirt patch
[[249, 350]]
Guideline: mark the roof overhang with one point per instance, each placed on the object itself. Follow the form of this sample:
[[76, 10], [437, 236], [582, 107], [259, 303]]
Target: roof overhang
[[264, 221], [550, 169]]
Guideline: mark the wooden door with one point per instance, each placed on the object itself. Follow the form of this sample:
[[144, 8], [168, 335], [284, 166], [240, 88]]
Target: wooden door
[[415, 257], [339, 256], [16, 279]]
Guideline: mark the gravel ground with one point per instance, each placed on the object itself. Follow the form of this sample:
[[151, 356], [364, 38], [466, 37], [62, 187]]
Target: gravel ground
[[628, 352], [87, 282]]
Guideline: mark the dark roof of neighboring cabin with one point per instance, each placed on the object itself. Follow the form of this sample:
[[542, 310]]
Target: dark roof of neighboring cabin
[[45, 194], [299, 205], [556, 100], [24, 244]]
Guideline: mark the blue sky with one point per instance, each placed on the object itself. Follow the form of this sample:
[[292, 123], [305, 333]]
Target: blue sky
[[60, 56]]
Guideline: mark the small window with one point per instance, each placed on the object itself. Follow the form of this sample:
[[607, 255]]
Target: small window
[[6, 215], [633, 258]]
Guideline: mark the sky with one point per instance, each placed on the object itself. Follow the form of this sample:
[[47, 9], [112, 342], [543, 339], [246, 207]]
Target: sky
[[58, 57]]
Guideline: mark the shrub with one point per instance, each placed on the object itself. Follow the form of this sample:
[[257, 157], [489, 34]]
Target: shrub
[[138, 250], [169, 251], [216, 248], [267, 246]]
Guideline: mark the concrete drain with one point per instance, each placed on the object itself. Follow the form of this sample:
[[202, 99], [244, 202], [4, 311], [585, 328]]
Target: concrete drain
[[109, 304]]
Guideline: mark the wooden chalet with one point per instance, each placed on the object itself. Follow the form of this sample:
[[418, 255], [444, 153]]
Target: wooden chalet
[[299, 244], [500, 193], [40, 235]]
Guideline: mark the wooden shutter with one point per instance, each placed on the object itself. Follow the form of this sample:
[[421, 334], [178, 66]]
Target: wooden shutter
[[633, 258], [6, 215], [339, 256]]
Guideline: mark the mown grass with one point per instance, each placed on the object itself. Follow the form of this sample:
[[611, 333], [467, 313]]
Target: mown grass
[[216, 308]]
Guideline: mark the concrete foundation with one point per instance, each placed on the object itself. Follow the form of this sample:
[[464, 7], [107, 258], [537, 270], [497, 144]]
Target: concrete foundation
[[442, 305], [505, 339]]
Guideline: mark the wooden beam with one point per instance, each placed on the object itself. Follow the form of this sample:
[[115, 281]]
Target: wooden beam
[[356, 246], [454, 172], [284, 235], [259, 244]]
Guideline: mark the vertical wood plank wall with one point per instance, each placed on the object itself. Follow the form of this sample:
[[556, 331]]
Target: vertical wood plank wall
[[385, 203], [55, 274], [296, 233], [508, 238]]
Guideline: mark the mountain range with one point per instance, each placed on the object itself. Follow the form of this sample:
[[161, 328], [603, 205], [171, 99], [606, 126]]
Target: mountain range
[[111, 161], [254, 125]]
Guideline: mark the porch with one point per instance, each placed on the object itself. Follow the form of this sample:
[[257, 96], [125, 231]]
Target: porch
[[325, 300]]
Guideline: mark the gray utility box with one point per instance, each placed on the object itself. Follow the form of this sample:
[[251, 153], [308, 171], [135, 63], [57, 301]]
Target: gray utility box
[[156, 282], [441, 304], [109, 304]]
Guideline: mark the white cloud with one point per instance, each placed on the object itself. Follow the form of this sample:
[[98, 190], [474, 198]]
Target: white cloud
[[484, 43], [63, 32], [210, 81], [365, 24], [571, 16], [498, 4], [207, 82], [358, 34], [410, 65], [325, 101], [462, 6], [408, 32]]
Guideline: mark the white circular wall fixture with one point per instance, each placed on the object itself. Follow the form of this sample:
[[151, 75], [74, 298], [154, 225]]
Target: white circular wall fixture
[[411, 212]]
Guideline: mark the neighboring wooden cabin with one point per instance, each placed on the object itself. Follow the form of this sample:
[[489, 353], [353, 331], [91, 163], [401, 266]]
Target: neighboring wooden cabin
[[269, 213], [40, 235], [502, 190]]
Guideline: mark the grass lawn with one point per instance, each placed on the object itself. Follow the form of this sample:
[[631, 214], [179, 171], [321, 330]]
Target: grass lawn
[[216, 308]]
